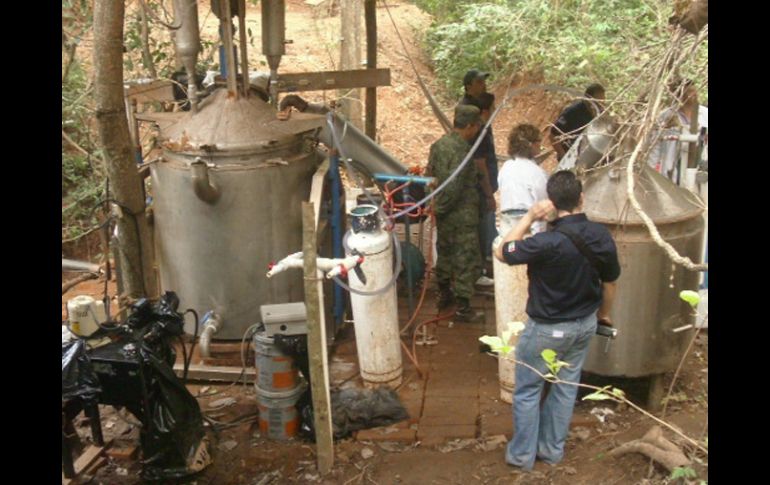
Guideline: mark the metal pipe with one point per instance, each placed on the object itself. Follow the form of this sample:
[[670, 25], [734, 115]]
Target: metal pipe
[[188, 44], [273, 40], [204, 189], [213, 322], [244, 56], [361, 148], [75, 265], [226, 17]]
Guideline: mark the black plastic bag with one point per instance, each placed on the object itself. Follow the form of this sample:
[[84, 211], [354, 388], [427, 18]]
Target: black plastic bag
[[173, 440], [78, 379], [356, 409]]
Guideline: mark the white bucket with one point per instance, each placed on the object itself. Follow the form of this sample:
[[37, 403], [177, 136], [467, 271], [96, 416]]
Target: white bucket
[[278, 416]]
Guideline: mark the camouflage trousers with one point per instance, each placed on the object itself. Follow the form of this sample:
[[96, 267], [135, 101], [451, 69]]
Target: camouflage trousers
[[459, 258]]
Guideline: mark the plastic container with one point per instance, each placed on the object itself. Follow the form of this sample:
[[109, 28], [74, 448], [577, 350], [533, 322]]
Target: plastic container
[[276, 372], [278, 416]]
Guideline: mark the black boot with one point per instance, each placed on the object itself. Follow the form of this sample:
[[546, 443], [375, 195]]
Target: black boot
[[445, 297], [467, 314]]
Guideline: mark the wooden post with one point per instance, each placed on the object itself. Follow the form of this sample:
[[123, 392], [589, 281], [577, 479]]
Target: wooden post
[[370, 13], [350, 56], [316, 343]]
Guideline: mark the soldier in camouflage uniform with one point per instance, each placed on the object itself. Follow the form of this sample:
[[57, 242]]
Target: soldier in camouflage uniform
[[457, 214]]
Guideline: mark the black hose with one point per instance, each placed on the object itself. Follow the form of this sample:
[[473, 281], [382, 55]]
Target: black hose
[[195, 333]]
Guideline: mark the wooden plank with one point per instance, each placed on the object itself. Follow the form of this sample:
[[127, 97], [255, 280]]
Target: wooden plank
[[154, 91], [370, 14], [87, 458], [315, 81], [94, 467], [123, 452], [316, 340], [215, 373]]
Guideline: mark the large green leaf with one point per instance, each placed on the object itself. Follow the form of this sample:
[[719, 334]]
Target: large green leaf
[[691, 297]]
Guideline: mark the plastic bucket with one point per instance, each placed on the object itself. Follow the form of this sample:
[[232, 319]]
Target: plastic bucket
[[278, 416], [363, 218], [276, 372]]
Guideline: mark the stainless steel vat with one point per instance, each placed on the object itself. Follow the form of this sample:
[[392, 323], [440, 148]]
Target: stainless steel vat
[[227, 201], [647, 307]]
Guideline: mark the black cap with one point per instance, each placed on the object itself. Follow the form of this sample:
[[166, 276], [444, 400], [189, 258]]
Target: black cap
[[474, 74]]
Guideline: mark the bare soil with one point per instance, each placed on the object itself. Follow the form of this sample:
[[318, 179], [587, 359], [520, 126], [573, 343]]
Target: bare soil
[[407, 128]]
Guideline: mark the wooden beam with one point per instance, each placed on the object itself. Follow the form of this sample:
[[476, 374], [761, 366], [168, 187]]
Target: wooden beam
[[215, 373], [370, 15], [316, 81], [162, 91], [316, 342]]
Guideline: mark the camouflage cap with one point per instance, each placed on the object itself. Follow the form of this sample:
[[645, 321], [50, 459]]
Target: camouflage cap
[[466, 114]]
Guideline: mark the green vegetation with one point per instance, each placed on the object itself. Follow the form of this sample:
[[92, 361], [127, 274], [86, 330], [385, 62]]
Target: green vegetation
[[572, 42], [82, 173]]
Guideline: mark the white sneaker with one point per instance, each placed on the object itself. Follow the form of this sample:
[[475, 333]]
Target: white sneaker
[[485, 281]]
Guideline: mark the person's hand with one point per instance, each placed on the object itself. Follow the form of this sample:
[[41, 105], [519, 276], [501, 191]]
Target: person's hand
[[541, 209], [604, 321], [491, 206]]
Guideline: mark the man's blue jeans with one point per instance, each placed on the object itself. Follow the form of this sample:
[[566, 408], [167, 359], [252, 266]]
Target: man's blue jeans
[[541, 433]]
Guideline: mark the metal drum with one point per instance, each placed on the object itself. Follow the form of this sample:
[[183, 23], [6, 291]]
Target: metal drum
[[647, 307], [227, 201]]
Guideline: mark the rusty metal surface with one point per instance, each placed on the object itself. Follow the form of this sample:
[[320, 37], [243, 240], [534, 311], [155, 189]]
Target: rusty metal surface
[[606, 200], [223, 123], [647, 306]]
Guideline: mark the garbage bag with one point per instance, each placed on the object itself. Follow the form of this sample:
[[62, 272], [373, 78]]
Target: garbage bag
[[78, 379], [174, 443], [356, 409]]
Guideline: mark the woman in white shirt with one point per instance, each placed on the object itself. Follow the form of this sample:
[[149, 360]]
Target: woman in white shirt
[[521, 179]]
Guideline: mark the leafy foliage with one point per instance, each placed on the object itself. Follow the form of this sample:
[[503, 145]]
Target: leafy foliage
[[682, 472], [82, 175], [573, 42]]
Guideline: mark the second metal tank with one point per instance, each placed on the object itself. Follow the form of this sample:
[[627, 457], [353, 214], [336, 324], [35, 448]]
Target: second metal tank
[[647, 308]]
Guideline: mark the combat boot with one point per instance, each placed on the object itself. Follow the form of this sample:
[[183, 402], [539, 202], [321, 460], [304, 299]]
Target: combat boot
[[445, 297], [467, 314]]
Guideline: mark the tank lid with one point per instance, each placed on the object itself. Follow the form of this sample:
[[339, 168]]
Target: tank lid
[[223, 123], [606, 200]]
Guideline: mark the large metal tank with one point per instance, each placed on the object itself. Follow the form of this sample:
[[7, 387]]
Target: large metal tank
[[227, 201], [647, 307]]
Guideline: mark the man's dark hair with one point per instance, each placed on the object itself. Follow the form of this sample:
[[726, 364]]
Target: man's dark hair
[[593, 90], [521, 140], [564, 190]]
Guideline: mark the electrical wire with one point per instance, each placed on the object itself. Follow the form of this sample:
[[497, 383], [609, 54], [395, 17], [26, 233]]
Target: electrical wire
[[194, 340]]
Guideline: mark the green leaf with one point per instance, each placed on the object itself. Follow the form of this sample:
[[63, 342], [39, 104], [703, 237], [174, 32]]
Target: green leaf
[[618, 392], [493, 342], [682, 472], [548, 355], [691, 297], [596, 396]]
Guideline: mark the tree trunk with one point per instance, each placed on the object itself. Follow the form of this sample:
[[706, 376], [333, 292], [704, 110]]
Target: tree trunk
[[351, 17], [146, 55], [134, 236]]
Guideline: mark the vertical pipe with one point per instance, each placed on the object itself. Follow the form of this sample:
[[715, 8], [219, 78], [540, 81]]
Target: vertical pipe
[[408, 260], [227, 18], [336, 223], [244, 56], [222, 59], [370, 13]]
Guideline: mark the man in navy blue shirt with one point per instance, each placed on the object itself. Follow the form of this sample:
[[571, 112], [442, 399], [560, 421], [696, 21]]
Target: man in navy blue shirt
[[574, 119], [572, 271]]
